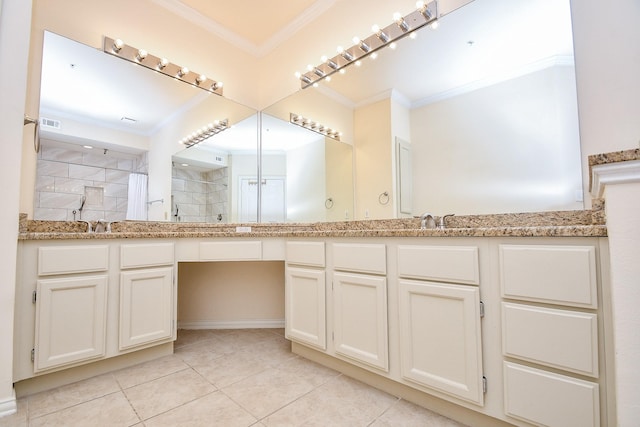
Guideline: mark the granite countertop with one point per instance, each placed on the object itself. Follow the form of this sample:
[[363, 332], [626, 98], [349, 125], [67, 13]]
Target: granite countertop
[[584, 223]]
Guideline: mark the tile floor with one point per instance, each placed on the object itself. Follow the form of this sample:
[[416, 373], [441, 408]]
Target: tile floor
[[222, 378]]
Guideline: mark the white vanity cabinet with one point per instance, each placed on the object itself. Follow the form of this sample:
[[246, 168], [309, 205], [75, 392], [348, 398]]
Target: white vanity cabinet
[[359, 303], [440, 319], [70, 306], [550, 333], [305, 293], [146, 294], [82, 301]]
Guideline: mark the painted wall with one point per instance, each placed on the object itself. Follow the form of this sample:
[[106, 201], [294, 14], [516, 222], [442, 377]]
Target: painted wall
[[14, 46], [466, 161], [372, 153], [230, 294]]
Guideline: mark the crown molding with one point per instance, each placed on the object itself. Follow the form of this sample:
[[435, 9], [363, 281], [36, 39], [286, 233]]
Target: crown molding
[[218, 29]]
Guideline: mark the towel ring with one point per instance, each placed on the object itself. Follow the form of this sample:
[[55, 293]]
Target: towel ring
[[383, 198], [328, 203], [36, 136]]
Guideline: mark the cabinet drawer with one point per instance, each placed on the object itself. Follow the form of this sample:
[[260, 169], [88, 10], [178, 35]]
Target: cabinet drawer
[[306, 253], [441, 263], [72, 259], [230, 251], [549, 399], [146, 255], [555, 274], [360, 257], [559, 338]]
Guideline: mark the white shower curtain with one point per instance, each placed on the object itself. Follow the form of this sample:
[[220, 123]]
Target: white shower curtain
[[137, 197]]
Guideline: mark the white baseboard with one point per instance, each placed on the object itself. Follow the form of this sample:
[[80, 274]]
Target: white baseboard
[[234, 324], [9, 406]]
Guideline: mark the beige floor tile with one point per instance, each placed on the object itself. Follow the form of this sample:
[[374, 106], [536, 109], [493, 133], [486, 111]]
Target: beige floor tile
[[191, 336], [171, 391], [72, 394], [149, 371], [231, 368], [339, 402], [406, 414], [20, 418], [110, 410], [214, 409], [274, 388]]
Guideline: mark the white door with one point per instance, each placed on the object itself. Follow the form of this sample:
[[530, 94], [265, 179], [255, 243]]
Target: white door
[[305, 306], [360, 318], [71, 320], [273, 200], [440, 341], [146, 306]]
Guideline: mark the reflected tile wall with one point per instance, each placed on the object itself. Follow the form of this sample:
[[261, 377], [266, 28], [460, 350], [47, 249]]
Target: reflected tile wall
[[200, 196], [64, 175]]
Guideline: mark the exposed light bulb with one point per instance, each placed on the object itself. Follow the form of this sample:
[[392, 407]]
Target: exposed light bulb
[[163, 63], [309, 67], [323, 58], [201, 79], [356, 40], [393, 45], [297, 74], [358, 63], [183, 71], [434, 25], [374, 55], [413, 36], [315, 85], [117, 45], [141, 54], [328, 78]]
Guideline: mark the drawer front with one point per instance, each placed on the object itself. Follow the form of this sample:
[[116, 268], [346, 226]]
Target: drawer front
[[72, 259], [558, 338], [440, 263], [549, 399], [230, 251], [306, 253], [146, 255], [360, 257], [554, 274]]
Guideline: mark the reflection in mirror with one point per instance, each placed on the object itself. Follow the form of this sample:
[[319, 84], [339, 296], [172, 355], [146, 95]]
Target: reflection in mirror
[[306, 177], [486, 105], [207, 178], [125, 112]]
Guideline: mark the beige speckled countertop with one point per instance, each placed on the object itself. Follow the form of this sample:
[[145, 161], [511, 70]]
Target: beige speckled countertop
[[585, 223]]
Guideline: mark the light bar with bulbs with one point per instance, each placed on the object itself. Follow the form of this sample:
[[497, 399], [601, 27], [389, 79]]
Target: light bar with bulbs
[[205, 132], [307, 123], [402, 26], [118, 48]]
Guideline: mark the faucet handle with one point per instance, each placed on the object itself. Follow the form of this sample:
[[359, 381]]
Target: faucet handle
[[442, 222]]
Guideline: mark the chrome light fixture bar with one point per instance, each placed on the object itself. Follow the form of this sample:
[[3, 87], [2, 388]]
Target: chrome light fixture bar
[[307, 123], [402, 26], [205, 132], [118, 48]]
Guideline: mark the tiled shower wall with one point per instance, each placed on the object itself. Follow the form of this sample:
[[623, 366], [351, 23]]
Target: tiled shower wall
[[200, 196], [64, 176]]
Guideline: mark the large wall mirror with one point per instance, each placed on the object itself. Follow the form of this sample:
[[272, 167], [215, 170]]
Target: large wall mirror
[[103, 122], [480, 115]]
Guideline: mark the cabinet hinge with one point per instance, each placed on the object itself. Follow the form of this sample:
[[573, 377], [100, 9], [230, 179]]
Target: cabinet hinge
[[481, 309], [33, 354], [484, 384], [34, 297]]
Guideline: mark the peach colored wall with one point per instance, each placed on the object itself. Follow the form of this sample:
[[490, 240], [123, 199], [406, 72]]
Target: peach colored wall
[[226, 292]]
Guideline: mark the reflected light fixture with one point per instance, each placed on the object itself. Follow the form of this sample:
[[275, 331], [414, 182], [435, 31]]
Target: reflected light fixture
[[402, 26], [205, 132], [117, 47], [312, 125]]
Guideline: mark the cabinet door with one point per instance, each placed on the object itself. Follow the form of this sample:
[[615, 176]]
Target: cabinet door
[[305, 306], [360, 318], [146, 306], [440, 342], [70, 321]]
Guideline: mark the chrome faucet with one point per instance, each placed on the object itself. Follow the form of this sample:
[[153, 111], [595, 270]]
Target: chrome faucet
[[103, 226], [89, 229], [426, 221], [442, 222]]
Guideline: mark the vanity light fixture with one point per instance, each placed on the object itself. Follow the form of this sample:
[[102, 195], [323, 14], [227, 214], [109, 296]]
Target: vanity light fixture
[[205, 132], [403, 26], [307, 123], [117, 47]]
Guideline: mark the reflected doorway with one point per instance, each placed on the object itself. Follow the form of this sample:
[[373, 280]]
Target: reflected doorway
[[273, 199]]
